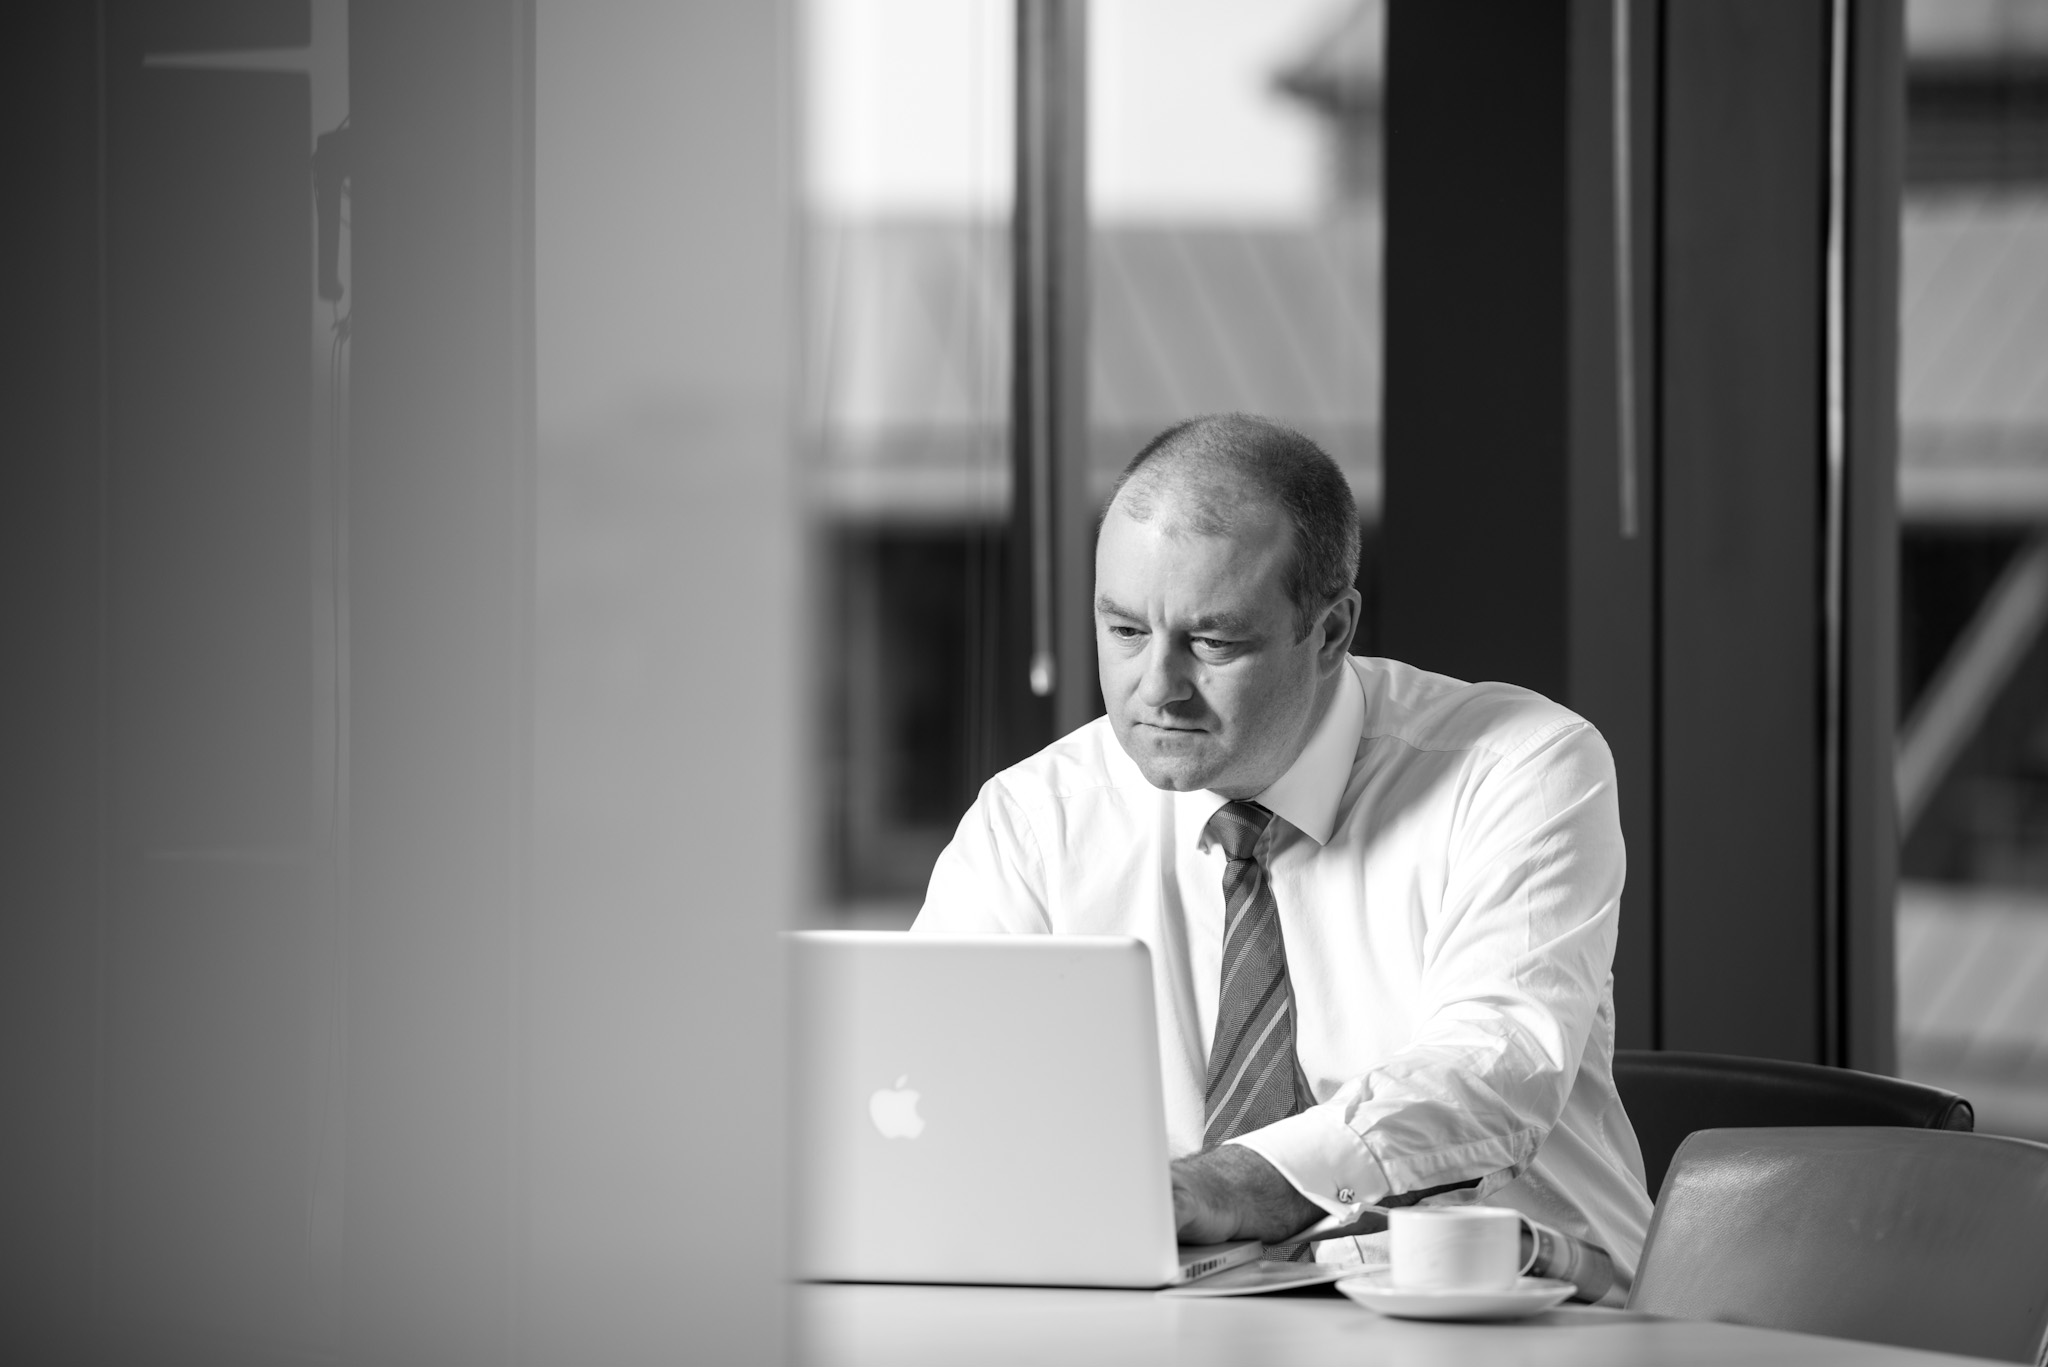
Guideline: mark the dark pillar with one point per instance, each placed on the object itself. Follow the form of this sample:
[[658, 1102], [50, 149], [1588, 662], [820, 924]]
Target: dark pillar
[[1477, 416], [1779, 588], [1743, 327], [1610, 615]]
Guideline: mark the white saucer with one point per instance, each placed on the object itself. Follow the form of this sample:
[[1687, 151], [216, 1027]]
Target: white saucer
[[1529, 1296]]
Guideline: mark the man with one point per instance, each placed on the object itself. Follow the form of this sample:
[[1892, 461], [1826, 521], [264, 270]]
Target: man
[[1381, 904]]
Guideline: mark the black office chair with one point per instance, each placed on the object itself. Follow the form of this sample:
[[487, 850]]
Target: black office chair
[[1668, 1095], [1916, 1238]]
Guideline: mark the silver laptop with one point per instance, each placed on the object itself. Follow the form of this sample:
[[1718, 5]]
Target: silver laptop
[[985, 1109]]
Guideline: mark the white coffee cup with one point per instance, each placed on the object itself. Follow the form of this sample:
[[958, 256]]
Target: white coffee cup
[[1455, 1248]]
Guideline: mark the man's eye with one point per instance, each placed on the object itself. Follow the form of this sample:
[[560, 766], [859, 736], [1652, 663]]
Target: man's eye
[[1214, 646], [1125, 633]]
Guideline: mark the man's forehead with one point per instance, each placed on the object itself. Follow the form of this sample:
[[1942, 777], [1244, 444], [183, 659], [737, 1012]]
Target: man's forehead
[[1183, 513], [1201, 580]]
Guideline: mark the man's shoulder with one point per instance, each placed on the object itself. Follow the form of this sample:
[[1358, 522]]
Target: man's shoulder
[[1436, 712], [1085, 761]]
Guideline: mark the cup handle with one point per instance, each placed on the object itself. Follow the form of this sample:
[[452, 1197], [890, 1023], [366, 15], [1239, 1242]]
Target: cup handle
[[1533, 1233]]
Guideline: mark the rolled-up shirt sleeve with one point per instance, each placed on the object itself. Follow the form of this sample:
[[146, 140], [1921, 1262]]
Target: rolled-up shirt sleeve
[[990, 878], [1517, 958]]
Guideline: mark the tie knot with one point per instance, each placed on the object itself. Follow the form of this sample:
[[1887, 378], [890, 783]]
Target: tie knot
[[1237, 827]]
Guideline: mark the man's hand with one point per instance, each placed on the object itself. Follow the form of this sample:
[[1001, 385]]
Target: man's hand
[[1230, 1193]]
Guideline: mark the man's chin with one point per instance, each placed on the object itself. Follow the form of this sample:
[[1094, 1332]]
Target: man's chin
[[1175, 772]]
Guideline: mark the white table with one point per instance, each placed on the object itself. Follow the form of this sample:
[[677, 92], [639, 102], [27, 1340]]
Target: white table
[[912, 1326]]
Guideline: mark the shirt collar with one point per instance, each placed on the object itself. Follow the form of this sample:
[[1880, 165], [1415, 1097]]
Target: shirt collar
[[1308, 794]]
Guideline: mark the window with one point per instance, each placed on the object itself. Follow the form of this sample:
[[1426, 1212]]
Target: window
[[1973, 395]]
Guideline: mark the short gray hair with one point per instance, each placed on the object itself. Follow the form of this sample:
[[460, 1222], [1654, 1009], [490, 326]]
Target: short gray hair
[[1218, 464]]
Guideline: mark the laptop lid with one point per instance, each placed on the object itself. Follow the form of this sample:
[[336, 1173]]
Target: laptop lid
[[980, 1109]]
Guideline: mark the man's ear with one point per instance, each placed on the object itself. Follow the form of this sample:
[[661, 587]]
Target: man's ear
[[1340, 626]]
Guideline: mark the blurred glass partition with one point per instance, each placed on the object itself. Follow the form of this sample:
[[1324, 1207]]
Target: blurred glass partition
[[907, 182], [1973, 492], [1234, 185], [213, 561]]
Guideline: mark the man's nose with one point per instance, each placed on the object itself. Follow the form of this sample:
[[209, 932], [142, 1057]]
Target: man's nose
[[1165, 680]]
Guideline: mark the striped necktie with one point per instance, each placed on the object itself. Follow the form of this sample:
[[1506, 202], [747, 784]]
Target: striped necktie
[[1253, 1077]]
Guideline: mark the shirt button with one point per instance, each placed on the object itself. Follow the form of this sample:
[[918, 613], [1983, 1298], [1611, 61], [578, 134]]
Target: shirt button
[[1344, 1194]]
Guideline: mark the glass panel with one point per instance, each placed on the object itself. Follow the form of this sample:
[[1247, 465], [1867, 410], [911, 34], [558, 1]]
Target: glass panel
[[907, 180], [1973, 394], [1234, 184]]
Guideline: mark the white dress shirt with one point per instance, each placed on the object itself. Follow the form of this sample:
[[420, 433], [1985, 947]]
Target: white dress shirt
[[1448, 868]]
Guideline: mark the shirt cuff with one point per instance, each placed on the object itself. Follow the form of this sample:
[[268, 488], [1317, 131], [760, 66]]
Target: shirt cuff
[[1325, 1161]]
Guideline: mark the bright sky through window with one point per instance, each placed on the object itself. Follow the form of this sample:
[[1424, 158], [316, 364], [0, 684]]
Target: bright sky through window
[[908, 109]]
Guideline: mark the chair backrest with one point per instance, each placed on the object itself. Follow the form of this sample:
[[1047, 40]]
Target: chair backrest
[[1668, 1095], [1918, 1238]]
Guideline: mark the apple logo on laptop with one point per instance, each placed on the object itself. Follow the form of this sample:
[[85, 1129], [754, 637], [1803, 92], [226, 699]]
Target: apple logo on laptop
[[894, 1111]]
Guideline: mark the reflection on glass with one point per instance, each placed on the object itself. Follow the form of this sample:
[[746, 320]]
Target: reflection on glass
[[1973, 749]]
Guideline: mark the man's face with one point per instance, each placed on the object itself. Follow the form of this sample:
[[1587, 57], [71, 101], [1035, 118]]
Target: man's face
[[1204, 681]]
